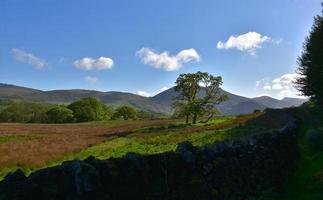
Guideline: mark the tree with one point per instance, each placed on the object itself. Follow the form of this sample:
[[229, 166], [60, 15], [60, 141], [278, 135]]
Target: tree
[[125, 112], [198, 94], [60, 114], [310, 81], [210, 111], [89, 109], [25, 112]]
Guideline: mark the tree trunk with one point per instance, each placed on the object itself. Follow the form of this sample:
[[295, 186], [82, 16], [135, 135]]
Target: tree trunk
[[208, 119], [194, 119], [186, 120]]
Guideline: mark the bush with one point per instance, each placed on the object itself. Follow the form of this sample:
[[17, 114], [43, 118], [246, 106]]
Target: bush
[[257, 111], [25, 112], [125, 112], [314, 139], [60, 114], [89, 109]]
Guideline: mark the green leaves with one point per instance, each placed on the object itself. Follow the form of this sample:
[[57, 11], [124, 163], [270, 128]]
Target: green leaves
[[310, 82], [60, 114], [125, 112], [199, 93], [89, 109]]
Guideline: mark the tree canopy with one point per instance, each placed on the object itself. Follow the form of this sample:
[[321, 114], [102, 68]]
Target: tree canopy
[[24, 112], [198, 94], [89, 109], [310, 82], [125, 112], [60, 114]]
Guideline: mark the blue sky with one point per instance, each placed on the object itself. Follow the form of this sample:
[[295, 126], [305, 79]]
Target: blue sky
[[141, 46]]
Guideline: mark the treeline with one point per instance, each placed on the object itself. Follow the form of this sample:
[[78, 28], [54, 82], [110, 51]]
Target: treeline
[[84, 110]]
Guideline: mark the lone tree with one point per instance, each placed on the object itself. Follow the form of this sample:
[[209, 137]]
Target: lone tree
[[198, 94], [310, 82]]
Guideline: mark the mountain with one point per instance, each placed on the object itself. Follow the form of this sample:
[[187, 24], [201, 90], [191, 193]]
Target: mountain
[[10, 91], [294, 101], [234, 105], [275, 103], [161, 103], [18, 93], [271, 102]]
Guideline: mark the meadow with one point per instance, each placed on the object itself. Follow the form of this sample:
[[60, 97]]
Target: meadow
[[35, 146]]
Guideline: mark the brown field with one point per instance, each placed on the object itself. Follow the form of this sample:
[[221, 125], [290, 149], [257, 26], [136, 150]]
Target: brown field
[[37, 145], [50, 142]]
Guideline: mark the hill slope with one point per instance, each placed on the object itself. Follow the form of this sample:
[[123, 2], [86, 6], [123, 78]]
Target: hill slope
[[161, 103], [275, 103], [234, 105]]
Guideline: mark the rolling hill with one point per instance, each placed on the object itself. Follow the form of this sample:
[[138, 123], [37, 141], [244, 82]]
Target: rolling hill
[[275, 103], [160, 103]]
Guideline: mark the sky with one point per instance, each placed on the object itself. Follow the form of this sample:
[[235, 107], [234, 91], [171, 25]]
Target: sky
[[141, 46]]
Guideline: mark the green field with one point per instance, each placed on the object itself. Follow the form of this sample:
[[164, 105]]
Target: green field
[[148, 139]]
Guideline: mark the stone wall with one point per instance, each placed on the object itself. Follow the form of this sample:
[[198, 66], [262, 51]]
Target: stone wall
[[235, 169]]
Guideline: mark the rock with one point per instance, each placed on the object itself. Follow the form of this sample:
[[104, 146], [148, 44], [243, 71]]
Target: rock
[[84, 176], [136, 160], [186, 149], [17, 176]]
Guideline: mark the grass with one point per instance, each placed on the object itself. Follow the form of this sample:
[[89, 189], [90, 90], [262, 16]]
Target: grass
[[54, 144], [153, 144], [159, 139], [105, 139]]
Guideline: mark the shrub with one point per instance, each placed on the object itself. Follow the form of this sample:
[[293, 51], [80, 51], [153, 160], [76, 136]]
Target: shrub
[[25, 112], [314, 139], [89, 109], [125, 112], [60, 114], [257, 111]]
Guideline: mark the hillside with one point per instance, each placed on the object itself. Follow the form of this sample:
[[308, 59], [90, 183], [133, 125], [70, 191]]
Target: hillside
[[275, 103], [161, 103]]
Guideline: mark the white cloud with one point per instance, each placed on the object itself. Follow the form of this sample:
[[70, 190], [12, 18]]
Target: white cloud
[[28, 58], [147, 94], [143, 93], [287, 93], [267, 87], [286, 78], [91, 79], [280, 87], [162, 89], [248, 42], [165, 61], [264, 94], [277, 86], [87, 63], [258, 83], [188, 55]]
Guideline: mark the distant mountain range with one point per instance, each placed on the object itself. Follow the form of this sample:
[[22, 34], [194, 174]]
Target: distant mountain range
[[161, 103]]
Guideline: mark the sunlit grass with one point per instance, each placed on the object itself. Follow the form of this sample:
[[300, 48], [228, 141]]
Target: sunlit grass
[[152, 144]]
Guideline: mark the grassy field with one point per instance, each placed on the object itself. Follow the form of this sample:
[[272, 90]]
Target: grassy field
[[34, 146]]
